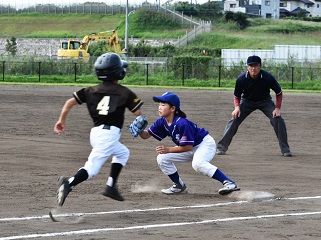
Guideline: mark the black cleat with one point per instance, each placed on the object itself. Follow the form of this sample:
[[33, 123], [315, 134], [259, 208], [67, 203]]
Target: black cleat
[[113, 193], [63, 190]]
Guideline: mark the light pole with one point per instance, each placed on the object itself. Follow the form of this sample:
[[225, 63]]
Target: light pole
[[125, 51]]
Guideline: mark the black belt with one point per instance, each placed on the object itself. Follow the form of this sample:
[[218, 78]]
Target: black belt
[[106, 127]]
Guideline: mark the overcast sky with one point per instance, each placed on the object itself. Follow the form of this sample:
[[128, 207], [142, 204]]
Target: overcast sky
[[26, 3]]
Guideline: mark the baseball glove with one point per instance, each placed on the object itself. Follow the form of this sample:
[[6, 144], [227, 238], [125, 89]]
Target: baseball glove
[[138, 125]]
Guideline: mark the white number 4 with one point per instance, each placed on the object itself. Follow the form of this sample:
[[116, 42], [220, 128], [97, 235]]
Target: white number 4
[[103, 105]]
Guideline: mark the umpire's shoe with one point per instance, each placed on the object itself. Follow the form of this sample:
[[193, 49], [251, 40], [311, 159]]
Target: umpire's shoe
[[220, 151], [287, 154], [113, 193], [63, 190]]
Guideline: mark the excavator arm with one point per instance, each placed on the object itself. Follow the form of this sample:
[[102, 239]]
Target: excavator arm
[[70, 48], [112, 40]]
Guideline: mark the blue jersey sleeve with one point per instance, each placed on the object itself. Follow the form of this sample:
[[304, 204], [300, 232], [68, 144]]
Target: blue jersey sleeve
[[158, 129]]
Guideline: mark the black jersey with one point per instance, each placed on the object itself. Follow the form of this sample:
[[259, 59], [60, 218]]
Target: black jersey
[[258, 89], [106, 102]]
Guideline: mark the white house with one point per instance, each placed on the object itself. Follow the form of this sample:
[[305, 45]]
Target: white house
[[263, 8], [310, 8], [233, 6], [275, 8]]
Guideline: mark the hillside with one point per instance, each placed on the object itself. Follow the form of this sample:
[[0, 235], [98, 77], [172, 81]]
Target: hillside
[[261, 34], [56, 25]]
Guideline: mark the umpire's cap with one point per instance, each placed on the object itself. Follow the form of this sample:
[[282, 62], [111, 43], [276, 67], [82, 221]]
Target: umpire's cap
[[253, 60], [173, 100]]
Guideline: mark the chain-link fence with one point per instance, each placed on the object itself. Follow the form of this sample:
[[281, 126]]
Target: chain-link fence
[[83, 8], [155, 73]]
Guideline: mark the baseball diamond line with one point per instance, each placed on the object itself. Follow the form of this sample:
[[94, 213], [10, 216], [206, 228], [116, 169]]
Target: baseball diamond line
[[177, 224], [100, 230], [119, 211], [146, 210]]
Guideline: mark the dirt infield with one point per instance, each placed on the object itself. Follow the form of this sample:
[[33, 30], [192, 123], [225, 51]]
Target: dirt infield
[[32, 157]]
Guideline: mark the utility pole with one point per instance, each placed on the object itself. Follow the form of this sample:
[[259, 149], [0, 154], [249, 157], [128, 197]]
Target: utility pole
[[125, 51]]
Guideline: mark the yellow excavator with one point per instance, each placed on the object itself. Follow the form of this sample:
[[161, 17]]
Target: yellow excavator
[[75, 49]]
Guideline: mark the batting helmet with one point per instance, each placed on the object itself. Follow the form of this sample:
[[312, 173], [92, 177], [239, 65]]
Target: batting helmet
[[109, 66]]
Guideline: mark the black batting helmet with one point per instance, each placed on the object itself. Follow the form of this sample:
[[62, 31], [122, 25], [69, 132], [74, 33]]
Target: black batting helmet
[[110, 66]]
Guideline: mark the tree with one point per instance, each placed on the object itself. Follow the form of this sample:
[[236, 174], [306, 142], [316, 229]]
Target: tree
[[98, 48], [11, 46], [210, 10], [239, 18]]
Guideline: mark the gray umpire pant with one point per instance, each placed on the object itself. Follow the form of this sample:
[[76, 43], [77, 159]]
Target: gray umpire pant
[[247, 107]]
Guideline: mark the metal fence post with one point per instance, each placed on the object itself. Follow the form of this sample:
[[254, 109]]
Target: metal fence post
[[292, 77], [39, 73], [219, 75], [147, 73], [3, 70], [75, 71], [183, 74]]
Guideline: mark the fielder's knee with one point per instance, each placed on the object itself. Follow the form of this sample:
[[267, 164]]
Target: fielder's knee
[[204, 168], [197, 166], [160, 159], [163, 162]]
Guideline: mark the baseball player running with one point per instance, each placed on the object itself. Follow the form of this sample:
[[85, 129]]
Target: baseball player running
[[252, 92], [193, 144], [106, 103]]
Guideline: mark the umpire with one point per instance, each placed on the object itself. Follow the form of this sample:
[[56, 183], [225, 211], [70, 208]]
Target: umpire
[[252, 92]]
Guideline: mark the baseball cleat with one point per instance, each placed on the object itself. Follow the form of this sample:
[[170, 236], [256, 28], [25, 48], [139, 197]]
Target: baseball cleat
[[175, 189], [63, 190], [228, 187], [52, 217], [113, 193]]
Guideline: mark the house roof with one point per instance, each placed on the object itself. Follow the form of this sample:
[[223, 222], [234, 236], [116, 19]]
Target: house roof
[[299, 10], [283, 10], [304, 1], [307, 2]]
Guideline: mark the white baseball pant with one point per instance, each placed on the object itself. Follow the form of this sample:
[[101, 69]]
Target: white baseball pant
[[105, 143], [201, 156]]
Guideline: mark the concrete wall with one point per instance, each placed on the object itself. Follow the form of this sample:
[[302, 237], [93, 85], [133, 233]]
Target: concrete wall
[[33, 47], [49, 46]]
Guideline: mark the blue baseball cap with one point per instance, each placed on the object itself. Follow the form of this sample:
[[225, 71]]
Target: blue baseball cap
[[170, 98]]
